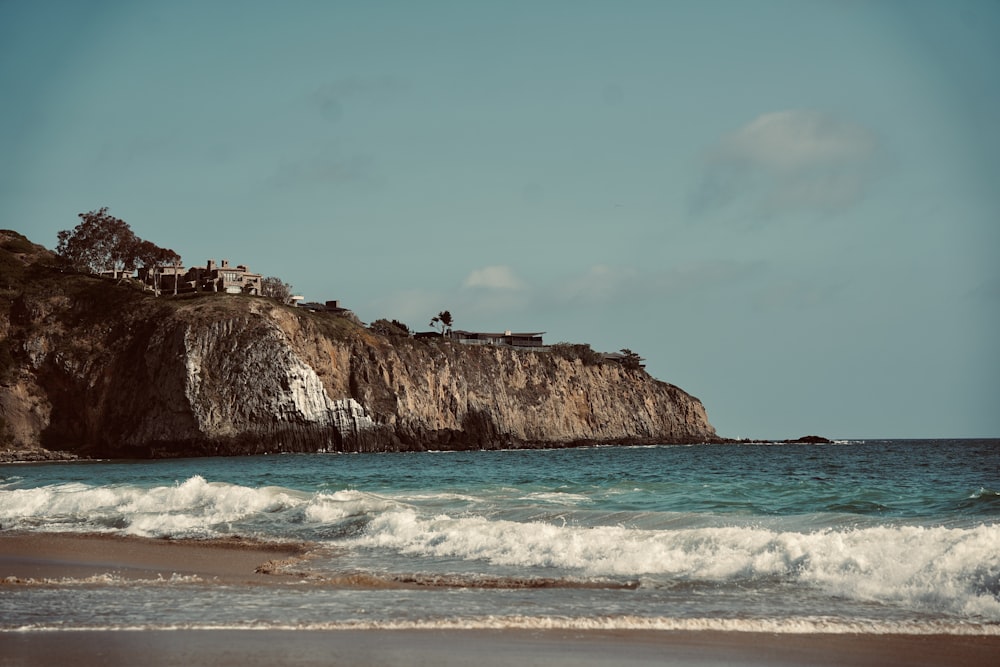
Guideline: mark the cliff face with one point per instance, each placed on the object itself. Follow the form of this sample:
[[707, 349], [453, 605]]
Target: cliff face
[[238, 375]]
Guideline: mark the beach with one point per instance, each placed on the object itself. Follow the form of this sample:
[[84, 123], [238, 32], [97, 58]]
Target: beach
[[73, 556], [40, 559], [386, 648]]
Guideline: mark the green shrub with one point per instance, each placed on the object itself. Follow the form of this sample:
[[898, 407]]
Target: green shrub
[[577, 351], [12, 241], [395, 328]]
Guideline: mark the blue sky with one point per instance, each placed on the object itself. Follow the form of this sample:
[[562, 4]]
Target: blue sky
[[790, 209]]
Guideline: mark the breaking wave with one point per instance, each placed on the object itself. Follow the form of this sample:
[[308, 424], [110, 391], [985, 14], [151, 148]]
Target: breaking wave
[[932, 568], [955, 570]]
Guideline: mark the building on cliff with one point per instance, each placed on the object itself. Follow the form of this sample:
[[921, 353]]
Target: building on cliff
[[623, 359], [163, 278], [211, 278], [328, 307], [507, 338], [223, 376], [230, 279]]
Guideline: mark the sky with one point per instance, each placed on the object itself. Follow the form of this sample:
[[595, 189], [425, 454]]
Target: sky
[[790, 209]]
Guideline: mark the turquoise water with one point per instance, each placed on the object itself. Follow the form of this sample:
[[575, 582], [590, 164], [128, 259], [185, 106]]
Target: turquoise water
[[871, 536]]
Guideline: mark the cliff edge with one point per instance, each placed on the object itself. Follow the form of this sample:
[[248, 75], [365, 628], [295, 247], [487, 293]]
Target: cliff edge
[[100, 369]]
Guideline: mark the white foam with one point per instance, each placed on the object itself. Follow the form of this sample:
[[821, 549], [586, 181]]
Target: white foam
[[938, 568], [104, 579], [559, 498], [192, 507], [784, 626], [335, 507]]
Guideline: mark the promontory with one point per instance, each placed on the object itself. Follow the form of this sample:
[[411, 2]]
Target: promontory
[[97, 367]]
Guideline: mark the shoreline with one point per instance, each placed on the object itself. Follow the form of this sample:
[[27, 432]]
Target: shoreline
[[486, 648], [51, 557], [67, 558]]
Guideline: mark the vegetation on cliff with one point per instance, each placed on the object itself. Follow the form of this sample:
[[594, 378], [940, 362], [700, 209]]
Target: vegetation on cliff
[[102, 243]]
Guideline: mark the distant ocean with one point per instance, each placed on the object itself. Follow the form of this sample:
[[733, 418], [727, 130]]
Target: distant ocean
[[872, 536]]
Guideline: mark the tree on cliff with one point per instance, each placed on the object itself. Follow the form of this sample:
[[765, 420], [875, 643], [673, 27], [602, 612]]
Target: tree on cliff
[[395, 328], [442, 320], [630, 359], [101, 242], [277, 289], [104, 243], [153, 256]]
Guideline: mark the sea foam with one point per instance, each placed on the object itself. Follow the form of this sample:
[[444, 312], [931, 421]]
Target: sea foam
[[928, 568], [192, 507], [617, 623], [933, 568]]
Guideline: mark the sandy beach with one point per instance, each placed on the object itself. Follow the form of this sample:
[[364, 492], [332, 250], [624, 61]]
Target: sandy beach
[[36, 557], [55, 556], [497, 648]]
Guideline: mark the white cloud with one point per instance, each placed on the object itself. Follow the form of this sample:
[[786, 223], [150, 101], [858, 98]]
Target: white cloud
[[791, 140], [602, 283], [493, 303], [795, 160], [494, 277]]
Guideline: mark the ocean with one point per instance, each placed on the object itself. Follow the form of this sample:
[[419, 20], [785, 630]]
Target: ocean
[[874, 536]]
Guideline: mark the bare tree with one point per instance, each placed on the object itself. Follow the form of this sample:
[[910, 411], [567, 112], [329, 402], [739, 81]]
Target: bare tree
[[277, 289]]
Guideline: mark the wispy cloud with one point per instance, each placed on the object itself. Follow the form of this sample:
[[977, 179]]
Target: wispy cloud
[[788, 161], [798, 294], [414, 306], [494, 278], [604, 283], [796, 139], [988, 289], [599, 283], [321, 170], [495, 298], [331, 98]]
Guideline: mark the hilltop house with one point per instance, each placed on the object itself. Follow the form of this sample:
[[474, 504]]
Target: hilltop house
[[212, 278], [619, 358], [507, 338], [163, 278], [230, 279], [316, 307]]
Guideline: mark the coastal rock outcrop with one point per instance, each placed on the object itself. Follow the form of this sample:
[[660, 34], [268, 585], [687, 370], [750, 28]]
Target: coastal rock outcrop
[[103, 370]]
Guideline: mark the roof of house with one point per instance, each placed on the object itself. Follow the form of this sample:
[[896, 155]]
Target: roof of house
[[505, 334]]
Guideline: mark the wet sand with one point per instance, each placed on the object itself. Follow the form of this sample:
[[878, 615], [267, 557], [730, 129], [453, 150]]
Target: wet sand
[[493, 648], [25, 556], [54, 556]]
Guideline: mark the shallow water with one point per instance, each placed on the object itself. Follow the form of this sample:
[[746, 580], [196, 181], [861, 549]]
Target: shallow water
[[872, 536]]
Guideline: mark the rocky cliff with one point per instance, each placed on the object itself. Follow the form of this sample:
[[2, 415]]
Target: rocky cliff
[[105, 370]]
